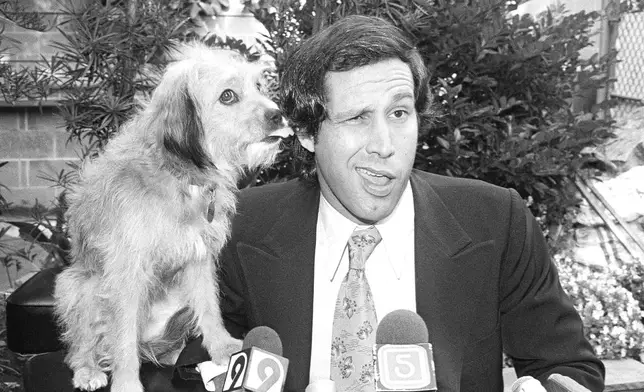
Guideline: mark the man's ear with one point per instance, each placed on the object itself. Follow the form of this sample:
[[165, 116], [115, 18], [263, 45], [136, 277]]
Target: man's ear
[[306, 141]]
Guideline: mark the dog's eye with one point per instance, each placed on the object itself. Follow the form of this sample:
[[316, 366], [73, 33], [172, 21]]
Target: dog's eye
[[228, 97]]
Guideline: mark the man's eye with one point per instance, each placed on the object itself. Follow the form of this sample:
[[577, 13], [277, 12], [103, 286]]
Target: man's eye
[[355, 119], [228, 97], [400, 113]]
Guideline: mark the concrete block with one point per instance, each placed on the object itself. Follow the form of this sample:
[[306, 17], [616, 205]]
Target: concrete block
[[43, 119], [47, 40], [10, 175], [27, 48], [26, 197], [20, 144], [65, 149], [37, 171], [11, 119]]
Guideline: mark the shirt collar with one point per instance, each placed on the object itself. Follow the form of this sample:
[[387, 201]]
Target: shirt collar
[[336, 229]]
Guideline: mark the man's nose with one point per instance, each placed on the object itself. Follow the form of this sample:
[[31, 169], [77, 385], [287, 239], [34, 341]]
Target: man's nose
[[380, 140]]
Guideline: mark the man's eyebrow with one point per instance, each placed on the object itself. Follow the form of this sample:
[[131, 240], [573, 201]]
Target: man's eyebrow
[[352, 112], [402, 95]]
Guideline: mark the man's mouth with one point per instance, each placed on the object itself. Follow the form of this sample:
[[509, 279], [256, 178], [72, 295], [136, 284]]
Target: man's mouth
[[376, 182]]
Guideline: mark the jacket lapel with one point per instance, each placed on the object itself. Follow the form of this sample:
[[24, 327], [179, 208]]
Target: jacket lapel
[[439, 239], [279, 269]]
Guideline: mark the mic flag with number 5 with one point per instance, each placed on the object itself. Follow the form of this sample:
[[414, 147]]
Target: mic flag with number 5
[[403, 357], [259, 367]]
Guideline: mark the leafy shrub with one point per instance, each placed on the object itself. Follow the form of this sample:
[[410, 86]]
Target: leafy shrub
[[611, 315], [505, 87], [632, 278]]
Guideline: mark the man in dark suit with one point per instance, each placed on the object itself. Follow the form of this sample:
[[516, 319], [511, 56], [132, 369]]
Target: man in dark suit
[[467, 256]]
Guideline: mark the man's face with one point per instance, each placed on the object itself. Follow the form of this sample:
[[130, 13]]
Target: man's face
[[365, 148]]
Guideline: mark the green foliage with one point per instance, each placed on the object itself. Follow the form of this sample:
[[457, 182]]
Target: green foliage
[[611, 315], [632, 277], [505, 87], [111, 56]]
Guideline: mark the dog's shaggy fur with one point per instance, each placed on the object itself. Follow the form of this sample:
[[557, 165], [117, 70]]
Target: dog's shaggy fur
[[150, 215]]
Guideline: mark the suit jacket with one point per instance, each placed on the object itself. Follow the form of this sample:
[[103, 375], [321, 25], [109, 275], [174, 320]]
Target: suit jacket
[[484, 282]]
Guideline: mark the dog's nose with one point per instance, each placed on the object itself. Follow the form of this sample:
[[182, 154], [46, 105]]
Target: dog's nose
[[273, 117]]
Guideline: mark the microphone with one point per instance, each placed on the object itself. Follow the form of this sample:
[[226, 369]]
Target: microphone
[[259, 366], [527, 384], [404, 359], [559, 383]]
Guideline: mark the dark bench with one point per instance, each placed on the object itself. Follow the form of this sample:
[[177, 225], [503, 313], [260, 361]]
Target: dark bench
[[32, 329]]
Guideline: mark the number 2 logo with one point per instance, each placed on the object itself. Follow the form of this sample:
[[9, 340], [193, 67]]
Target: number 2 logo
[[265, 372], [236, 369], [268, 379]]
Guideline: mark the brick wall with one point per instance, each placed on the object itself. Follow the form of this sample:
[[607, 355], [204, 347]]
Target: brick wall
[[31, 138], [32, 141]]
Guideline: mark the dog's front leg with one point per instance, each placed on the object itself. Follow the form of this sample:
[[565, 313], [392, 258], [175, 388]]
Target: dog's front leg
[[128, 300], [202, 289]]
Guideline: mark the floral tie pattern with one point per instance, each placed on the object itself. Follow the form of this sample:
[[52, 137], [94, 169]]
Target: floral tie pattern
[[355, 320]]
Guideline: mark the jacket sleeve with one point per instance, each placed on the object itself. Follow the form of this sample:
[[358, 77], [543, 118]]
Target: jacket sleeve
[[232, 292], [541, 330]]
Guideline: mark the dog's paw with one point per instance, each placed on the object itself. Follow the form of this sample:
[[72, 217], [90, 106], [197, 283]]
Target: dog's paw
[[89, 379], [220, 354]]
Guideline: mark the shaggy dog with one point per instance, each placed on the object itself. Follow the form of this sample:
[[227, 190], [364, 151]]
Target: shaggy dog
[[150, 215]]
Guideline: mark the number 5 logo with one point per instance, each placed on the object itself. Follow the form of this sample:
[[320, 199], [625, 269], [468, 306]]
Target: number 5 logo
[[403, 361], [403, 367]]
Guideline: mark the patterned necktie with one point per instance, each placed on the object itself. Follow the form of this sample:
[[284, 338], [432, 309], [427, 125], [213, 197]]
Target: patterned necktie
[[354, 321]]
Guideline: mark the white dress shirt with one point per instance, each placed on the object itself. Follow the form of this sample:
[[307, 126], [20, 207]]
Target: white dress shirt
[[389, 270]]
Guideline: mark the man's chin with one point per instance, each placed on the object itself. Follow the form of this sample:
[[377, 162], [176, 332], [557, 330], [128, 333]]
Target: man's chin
[[373, 213]]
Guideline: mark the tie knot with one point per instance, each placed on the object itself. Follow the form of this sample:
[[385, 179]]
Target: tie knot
[[361, 245]]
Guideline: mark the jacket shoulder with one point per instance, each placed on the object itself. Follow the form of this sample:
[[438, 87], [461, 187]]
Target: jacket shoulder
[[258, 208], [458, 192], [482, 209]]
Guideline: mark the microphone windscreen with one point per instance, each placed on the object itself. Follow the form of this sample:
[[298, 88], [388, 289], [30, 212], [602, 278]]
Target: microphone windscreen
[[265, 338], [402, 327]]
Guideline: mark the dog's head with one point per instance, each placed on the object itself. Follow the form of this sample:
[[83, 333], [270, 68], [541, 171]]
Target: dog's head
[[213, 116]]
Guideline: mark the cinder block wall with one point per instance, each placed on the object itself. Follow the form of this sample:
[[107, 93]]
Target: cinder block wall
[[31, 137], [35, 146]]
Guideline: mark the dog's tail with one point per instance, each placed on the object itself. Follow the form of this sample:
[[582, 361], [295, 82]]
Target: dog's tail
[[164, 350], [77, 309]]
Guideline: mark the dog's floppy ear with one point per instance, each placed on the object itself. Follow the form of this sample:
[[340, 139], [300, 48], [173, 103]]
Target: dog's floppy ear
[[183, 132]]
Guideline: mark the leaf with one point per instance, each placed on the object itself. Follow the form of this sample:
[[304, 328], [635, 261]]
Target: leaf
[[484, 110], [457, 135], [444, 143], [516, 66]]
